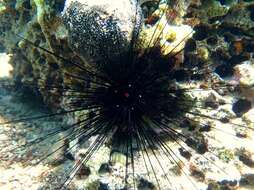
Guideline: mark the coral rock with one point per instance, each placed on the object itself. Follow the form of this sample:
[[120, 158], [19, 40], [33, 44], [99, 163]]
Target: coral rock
[[99, 28], [244, 74]]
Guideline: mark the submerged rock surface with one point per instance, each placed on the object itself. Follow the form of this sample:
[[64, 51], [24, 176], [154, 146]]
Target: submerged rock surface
[[109, 26], [100, 29], [78, 30]]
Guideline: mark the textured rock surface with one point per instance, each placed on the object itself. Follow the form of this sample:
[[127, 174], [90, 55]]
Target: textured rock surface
[[108, 27], [244, 74], [101, 29], [40, 21], [219, 41]]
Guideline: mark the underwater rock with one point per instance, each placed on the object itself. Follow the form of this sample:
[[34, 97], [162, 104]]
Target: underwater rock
[[246, 157], [248, 117], [203, 53], [145, 185], [185, 153], [103, 186], [83, 172], [239, 18], [160, 30], [224, 184], [43, 27], [105, 168], [196, 173], [241, 106], [37, 21], [205, 10], [247, 179], [101, 29], [148, 7], [244, 74]]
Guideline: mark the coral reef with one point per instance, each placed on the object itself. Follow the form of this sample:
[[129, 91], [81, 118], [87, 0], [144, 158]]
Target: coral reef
[[213, 34], [220, 41], [39, 22], [168, 36]]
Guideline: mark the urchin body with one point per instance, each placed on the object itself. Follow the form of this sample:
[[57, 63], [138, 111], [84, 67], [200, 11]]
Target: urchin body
[[136, 85], [134, 94]]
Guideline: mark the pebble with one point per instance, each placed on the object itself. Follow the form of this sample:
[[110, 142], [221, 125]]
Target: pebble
[[244, 74], [247, 179], [198, 174], [186, 154], [145, 185], [246, 158], [105, 168], [83, 172], [241, 106]]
